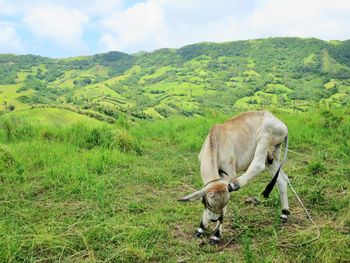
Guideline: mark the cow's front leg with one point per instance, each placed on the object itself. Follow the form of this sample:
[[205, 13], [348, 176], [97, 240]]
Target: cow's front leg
[[228, 173], [255, 168], [257, 165], [215, 238], [203, 225], [200, 230]]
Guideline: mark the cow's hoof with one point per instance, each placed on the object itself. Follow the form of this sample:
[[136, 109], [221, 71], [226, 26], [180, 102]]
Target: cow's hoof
[[234, 186], [284, 215], [197, 234], [214, 241], [284, 218]]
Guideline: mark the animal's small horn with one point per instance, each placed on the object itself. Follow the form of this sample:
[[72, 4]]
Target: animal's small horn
[[194, 196]]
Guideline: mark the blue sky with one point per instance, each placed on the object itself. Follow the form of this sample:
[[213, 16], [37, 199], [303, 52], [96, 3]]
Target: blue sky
[[64, 28]]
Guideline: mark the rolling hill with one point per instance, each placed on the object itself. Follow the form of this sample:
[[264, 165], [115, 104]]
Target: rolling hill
[[289, 73]]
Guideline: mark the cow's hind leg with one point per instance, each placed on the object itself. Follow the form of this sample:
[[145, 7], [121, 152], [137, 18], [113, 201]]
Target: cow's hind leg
[[272, 167]]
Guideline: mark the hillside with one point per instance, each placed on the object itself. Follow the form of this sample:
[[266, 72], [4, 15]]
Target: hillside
[[290, 73]]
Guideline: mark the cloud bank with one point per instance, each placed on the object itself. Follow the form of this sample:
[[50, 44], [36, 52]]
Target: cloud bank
[[64, 28]]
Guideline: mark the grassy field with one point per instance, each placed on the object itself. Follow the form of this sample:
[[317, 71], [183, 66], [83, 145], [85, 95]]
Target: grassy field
[[50, 117], [92, 192]]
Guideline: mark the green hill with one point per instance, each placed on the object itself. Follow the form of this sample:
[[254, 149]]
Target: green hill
[[290, 73]]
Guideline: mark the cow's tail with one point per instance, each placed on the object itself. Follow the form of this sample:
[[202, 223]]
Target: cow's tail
[[270, 186]]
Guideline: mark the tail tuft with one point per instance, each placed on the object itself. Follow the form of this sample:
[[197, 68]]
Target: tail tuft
[[271, 185]]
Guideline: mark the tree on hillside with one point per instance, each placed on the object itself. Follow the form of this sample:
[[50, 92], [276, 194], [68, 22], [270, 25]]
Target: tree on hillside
[[5, 105], [11, 107]]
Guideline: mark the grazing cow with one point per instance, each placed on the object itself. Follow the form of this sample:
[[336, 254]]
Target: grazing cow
[[249, 142]]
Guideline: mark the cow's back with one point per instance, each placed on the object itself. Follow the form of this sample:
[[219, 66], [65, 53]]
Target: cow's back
[[237, 139]]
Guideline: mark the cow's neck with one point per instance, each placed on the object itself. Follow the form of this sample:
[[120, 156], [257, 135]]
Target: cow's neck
[[209, 170], [207, 178]]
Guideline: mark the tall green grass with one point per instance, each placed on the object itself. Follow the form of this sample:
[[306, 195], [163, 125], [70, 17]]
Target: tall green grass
[[108, 193]]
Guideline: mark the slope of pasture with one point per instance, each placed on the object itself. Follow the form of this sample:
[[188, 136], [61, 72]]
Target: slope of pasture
[[102, 93], [66, 81], [109, 194], [50, 116], [9, 94]]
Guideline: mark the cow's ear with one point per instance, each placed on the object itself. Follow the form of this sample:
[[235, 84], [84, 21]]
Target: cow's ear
[[194, 196]]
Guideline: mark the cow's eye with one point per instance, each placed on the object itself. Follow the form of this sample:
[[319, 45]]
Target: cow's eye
[[211, 194]]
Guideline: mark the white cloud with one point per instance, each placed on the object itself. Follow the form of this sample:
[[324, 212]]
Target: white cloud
[[102, 8], [10, 42], [142, 25], [109, 42], [89, 7], [6, 8], [313, 18], [57, 23], [169, 23], [235, 20], [159, 23], [131, 26]]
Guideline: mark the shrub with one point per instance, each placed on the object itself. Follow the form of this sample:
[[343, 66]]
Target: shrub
[[100, 162], [316, 167], [123, 121], [14, 128], [11, 107], [6, 159], [317, 196], [9, 127], [127, 143], [100, 137], [19, 169], [94, 139], [47, 135], [330, 120]]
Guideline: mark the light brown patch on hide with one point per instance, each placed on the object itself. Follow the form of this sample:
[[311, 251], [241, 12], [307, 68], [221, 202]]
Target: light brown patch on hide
[[218, 188]]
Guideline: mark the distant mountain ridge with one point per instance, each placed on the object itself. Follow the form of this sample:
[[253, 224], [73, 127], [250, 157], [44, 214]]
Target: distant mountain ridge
[[290, 73]]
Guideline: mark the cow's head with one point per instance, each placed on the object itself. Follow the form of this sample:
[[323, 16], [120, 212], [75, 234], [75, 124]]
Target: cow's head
[[215, 197]]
